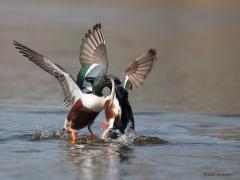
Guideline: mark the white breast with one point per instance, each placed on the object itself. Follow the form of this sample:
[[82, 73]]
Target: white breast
[[117, 108], [93, 102]]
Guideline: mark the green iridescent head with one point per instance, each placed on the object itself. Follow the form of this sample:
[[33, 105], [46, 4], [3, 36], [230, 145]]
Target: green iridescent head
[[98, 83]]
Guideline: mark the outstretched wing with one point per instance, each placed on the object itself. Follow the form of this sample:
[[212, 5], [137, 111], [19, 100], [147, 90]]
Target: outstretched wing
[[138, 70], [93, 48], [93, 56], [70, 89]]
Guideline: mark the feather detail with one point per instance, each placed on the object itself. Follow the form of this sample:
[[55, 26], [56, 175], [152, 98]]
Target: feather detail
[[139, 69], [93, 48], [70, 89]]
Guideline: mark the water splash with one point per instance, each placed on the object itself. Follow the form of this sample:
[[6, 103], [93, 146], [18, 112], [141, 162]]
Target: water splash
[[127, 138], [132, 137], [45, 134]]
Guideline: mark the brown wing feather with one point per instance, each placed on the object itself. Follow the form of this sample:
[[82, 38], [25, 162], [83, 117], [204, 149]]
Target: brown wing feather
[[138, 70], [65, 79], [93, 48]]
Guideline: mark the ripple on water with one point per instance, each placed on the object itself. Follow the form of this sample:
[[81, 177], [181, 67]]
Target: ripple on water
[[130, 138]]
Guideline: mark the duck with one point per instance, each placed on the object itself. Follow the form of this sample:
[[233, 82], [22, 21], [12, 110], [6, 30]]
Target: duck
[[93, 59], [84, 97], [119, 115]]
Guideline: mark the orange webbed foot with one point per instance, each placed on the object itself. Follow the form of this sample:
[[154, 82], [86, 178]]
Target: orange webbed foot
[[73, 135], [92, 137]]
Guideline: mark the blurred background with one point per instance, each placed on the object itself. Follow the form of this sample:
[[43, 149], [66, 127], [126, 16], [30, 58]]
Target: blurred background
[[197, 43]]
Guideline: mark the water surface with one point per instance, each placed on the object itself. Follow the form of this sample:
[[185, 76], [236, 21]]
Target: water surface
[[199, 144], [197, 71]]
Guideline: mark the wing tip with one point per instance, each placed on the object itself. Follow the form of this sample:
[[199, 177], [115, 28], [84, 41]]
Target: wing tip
[[86, 36], [16, 44], [152, 52], [20, 48], [97, 26]]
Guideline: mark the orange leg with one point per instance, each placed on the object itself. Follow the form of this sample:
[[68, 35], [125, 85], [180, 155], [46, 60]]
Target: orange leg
[[110, 111], [105, 124], [91, 137], [73, 134]]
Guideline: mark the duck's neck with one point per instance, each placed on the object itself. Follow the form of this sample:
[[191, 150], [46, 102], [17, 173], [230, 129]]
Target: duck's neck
[[98, 91]]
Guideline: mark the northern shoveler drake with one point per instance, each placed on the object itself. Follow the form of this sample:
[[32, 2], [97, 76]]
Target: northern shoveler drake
[[119, 115], [85, 96], [93, 58]]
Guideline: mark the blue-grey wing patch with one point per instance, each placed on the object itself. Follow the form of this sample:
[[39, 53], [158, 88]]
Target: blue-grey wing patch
[[94, 70]]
